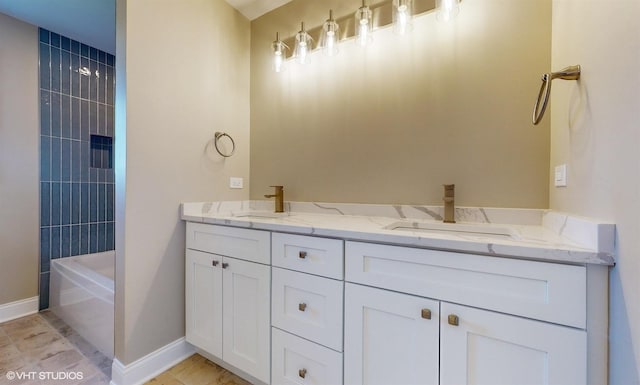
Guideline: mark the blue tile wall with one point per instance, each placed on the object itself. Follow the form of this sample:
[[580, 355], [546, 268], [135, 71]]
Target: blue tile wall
[[77, 191]]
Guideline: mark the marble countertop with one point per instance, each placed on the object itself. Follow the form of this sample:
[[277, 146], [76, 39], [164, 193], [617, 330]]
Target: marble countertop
[[536, 234]]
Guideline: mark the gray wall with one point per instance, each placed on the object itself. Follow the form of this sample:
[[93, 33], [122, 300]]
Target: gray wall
[[450, 103], [18, 160], [594, 126], [183, 73]]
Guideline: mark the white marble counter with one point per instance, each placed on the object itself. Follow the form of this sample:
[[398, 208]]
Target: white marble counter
[[537, 234]]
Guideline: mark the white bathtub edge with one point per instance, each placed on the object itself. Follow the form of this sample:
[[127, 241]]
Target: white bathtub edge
[[17, 309], [149, 366]]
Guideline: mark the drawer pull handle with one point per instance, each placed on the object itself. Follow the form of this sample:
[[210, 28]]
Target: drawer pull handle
[[453, 320], [302, 306], [302, 373], [225, 265], [215, 263], [426, 314], [302, 255]]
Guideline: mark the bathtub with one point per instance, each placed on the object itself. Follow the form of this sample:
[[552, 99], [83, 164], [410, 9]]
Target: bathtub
[[81, 294]]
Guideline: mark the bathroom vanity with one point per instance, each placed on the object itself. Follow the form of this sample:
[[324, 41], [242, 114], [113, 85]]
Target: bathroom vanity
[[334, 296]]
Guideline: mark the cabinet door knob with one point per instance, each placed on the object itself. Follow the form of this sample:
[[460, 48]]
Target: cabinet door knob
[[302, 306], [225, 265], [302, 254], [302, 373], [214, 263], [453, 320], [426, 313]]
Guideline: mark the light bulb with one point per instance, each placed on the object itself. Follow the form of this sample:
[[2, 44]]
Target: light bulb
[[278, 62], [364, 25], [303, 46], [302, 53], [402, 16], [447, 9], [329, 36], [331, 42]]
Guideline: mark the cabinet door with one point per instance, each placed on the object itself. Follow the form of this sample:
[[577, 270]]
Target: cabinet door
[[488, 348], [389, 338], [204, 301], [246, 316]]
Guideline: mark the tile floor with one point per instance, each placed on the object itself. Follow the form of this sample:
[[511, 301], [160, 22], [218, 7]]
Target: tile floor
[[197, 370], [43, 345], [40, 349]]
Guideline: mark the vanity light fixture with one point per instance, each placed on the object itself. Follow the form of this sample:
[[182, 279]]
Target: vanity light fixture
[[329, 36], [364, 25], [279, 50], [303, 45], [447, 9], [396, 13], [402, 13]]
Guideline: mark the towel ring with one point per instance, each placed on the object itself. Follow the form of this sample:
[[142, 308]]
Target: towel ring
[[569, 73], [220, 135]]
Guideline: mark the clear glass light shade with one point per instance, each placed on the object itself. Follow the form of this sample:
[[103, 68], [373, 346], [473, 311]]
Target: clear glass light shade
[[279, 52], [304, 46], [402, 16], [364, 26], [329, 36], [447, 9]]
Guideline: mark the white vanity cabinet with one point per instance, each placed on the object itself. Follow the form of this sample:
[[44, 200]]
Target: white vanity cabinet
[[290, 309], [493, 320], [307, 310], [228, 282]]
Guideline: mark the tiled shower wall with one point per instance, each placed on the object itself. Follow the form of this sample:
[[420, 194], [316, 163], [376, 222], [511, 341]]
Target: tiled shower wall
[[76, 153]]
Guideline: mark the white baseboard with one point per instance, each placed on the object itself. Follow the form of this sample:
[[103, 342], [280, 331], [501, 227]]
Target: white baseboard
[[149, 366], [12, 310]]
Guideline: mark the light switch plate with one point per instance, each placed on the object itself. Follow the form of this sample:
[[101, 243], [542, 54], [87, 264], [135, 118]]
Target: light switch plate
[[561, 176], [235, 182]]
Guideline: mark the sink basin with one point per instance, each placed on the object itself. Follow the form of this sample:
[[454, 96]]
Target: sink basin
[[258, 214], [475, 230]]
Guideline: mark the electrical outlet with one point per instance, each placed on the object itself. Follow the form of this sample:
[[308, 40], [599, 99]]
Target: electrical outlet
[[561, 176], [236, 182]]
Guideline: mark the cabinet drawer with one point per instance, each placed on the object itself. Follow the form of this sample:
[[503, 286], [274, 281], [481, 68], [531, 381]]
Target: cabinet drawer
[[247, 244], [308, 306], [545, 291], [320, 256], [295, 361]]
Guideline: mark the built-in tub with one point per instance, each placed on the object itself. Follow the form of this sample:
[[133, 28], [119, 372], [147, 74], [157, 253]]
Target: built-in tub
[[81, 294]]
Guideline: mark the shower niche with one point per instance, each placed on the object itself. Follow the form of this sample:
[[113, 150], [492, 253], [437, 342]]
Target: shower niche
[[101, 152]]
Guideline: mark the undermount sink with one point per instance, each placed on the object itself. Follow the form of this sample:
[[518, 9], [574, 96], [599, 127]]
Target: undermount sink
[[476, 230], [258, 214]]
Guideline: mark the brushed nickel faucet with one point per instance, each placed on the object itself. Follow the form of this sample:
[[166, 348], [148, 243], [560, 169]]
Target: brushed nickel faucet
[[449, 203], [279, 195]]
